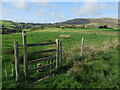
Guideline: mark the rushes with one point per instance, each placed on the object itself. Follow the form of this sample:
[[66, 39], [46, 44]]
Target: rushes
[[96, 64]]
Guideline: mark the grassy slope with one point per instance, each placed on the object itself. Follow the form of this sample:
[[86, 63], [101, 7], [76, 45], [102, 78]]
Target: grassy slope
[[97, 22], [61, 80]]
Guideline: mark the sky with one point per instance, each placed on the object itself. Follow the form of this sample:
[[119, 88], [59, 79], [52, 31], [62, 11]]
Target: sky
[[51, 12]]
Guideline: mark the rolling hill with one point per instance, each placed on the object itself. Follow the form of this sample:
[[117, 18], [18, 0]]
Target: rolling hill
[[13, 27], [97, 22]]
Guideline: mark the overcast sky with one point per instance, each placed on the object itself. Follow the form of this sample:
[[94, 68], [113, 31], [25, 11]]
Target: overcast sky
[[50, 12]]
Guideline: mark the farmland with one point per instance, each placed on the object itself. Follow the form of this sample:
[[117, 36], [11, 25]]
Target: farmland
[[98, 68]]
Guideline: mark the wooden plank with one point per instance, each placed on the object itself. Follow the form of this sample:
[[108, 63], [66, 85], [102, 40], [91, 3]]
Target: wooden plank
[[57, 53], [6, 74], [60, 53], [82, 46], [25, 58], [42, 59], [37, 67], [39, 44], [41, 67], [44, 51], [43, 78], [52, 71], [17, 67], [20, 45]]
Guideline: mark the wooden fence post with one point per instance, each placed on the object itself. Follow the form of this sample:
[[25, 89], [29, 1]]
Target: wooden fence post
[[25, 53], [17, 69], [6, 73], [57, 53], [82, 46], [60, 52]]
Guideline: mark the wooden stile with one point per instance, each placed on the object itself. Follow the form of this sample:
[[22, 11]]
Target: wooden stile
[[40, 44], [42, 59], [57, 53], [44, 51], [60, 53], [41, 67], [51, 60], [17, 70], [25, 53]]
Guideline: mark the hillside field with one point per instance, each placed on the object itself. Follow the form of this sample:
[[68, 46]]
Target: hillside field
[[98, 68]]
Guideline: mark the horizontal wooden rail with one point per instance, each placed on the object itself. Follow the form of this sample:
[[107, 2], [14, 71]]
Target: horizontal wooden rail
[[41, 67], [44, 51], [20, 45], [42, 59], [39, 44], [42, 78]]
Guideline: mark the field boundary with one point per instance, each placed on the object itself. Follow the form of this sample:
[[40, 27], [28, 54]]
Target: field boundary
[[57, 63]]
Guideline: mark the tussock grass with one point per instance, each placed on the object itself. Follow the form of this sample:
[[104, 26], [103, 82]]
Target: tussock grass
[[96, 66]]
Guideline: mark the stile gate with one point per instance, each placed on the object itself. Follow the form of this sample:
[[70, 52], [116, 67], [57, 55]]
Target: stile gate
[[26, 62]]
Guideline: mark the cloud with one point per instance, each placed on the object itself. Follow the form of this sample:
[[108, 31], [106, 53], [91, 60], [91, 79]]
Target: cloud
[[40, 12], [90, 9], [58, 15], [46, 4], [20, 5], [4, 11]]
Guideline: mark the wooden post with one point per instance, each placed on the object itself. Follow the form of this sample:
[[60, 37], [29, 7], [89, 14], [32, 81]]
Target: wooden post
[[47, 62], [37, 67], [57, 53], [12, 72], [25, 54], [6, 73], [17, 67], [60, 52], [82, 45]]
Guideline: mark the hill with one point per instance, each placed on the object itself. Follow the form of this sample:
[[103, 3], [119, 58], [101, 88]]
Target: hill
[[13, 27], [83, 23], [95, 22]]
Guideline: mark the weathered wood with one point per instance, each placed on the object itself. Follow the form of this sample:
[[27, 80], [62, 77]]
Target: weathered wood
[[6, 73], [43, 78], [25, 54], [42, 59], [39, 44], [53, 71], [44, 51], [82, 46], [17, 67], [12, 72], [47, 62], [60, 53], [41, 67], [38, 66], [57, 53], [20, 45]]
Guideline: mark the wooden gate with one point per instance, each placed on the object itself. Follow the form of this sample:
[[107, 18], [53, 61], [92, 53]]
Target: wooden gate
[[27, 70]]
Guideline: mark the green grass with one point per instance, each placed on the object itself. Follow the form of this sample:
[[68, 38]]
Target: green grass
[[77, 29], [107, 61]]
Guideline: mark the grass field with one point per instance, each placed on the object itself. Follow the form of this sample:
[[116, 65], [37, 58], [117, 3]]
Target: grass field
[[98, 68]]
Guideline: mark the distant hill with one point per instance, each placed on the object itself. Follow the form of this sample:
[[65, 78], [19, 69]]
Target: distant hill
[[13, 27], [97, 22]]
